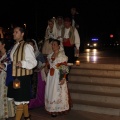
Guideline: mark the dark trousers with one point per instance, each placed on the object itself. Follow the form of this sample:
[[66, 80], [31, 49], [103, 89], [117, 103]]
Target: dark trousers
[[69, 52]]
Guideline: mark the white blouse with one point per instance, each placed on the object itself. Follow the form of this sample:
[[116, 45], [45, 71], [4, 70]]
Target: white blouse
[[30, 60], [76, 34]]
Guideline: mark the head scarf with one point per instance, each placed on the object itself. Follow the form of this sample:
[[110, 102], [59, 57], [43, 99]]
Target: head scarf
[[37, 52]]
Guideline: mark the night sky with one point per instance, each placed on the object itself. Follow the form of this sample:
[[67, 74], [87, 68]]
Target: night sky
[[97, 16]]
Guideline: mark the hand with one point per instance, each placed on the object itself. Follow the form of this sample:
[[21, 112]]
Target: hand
[[19, 64], [2, 66], [46, 70], [62, 81], [77, 51], [58, 37]]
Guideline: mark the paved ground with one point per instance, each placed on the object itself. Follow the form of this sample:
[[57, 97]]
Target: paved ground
[[111, 56], [40, 114]]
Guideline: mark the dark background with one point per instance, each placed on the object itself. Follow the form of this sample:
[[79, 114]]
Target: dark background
[[97, 17]]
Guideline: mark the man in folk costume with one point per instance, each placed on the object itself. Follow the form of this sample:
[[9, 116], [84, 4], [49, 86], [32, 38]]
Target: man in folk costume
[[77, 22], [23, 61], [71, 41], [59, 26]]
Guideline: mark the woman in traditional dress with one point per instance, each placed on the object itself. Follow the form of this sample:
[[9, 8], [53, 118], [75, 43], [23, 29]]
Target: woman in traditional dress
[[50, 34], [4, 103], [56, 91], [38, 78]]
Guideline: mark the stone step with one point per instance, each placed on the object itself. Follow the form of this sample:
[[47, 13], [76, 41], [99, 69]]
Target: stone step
[[94, 80], [97, 66], [97, 104], [96, 98], [99, 73], [95, 89], [97, 109], [103, 93]]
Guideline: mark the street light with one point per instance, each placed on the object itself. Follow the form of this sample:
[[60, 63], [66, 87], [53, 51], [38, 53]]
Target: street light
[[111, 35]]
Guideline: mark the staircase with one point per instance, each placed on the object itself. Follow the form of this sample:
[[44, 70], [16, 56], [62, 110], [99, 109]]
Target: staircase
[[95, 88]]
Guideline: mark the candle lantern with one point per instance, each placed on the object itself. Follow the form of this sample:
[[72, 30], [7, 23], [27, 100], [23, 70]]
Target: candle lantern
[[77, 62], [16, 84]]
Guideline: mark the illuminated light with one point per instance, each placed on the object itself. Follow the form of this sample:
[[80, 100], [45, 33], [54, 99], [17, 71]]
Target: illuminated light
[[77, 62], [94, 39], [88, 44], [88, 58], [87, 50], [95, 44], [94, 50], [16, 84], [94, 58], [111, 36]]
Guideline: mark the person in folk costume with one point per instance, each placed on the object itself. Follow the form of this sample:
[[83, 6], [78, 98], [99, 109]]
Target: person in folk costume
[[6, 106], [51, 33], [56, 90], [60, 25], [38, 78], [3, 87], [23, 61], [78, 22], [71, 41], [75, 18]]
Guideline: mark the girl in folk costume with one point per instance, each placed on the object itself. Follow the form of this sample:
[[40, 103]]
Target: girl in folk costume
[[38, 78], [51, 33], [56, 90]]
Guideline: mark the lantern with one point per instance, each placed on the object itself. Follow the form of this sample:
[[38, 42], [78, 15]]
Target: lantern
[[77, 62], [16, 84]]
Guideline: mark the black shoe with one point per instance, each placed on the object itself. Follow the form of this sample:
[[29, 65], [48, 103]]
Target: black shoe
[[27, 118], [53, 115]]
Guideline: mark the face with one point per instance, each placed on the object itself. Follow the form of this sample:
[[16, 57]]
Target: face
[[50, 24], [60, 21], [17, 34], [55, 46], [67, 24], [73, 11]]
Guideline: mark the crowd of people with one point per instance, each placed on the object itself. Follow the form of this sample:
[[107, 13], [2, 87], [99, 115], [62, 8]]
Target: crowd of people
[[32, 78]]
